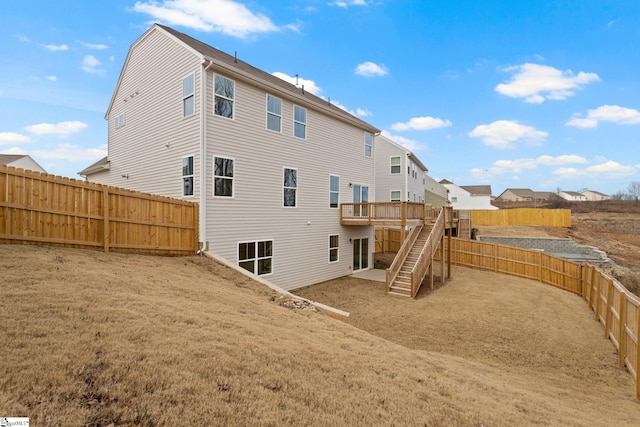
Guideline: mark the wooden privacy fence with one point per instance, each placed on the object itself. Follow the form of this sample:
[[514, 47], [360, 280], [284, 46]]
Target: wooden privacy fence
[[42, 208], [614, 306], [522, 216], [388, 240]]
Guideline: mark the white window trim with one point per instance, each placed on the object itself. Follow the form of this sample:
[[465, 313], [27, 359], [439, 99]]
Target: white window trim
[[337, 248], [399, 165], [302, 123], [296, 188], [266, 118], [192, 95], [193, 175], [119, 121], [233, 100], [399, 195], [256, 258], [368, 145], [331, 191], [233, 179]]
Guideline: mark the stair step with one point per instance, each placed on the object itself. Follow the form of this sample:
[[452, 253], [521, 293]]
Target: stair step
[[396, 294]]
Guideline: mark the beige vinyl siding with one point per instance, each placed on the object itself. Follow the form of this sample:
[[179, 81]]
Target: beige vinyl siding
[[300, 234], [415, 184], [386, 182], [150, 146]]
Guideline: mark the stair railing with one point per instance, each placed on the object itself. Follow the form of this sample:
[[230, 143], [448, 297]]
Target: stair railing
[[421, 266], [401, 256]]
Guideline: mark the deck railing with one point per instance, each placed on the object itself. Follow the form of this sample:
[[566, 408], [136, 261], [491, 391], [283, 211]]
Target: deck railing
[[421, 267], [384, 212], [401, 256]]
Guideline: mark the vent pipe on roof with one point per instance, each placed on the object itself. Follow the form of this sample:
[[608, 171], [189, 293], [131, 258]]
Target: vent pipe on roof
[[235, 56], [303, 89]]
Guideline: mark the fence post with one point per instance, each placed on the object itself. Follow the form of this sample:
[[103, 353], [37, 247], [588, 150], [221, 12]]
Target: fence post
[[607, 317], [622, 339], [105, 217], [637, 352]]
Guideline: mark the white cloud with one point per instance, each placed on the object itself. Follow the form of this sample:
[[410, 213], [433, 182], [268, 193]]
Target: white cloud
[[62, 129], [409, 144], [13, 150], [51, 78], [370, 69], [363, 113], [73, 153], [95, 46], [309, 85], [90, 64], [347, 3], [421, 123], [221, 16], [518, 165], [535, 83], [55, 48], [13, 138], [504, 133], [607, 113]]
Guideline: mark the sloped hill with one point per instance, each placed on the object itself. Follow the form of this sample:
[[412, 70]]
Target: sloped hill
[[110, 339]]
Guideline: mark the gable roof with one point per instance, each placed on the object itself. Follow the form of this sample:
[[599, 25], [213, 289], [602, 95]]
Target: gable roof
[[595, 192], [5, 159], [101, 164], [478, 190], [223, 61], [573, 193], [521, 192]]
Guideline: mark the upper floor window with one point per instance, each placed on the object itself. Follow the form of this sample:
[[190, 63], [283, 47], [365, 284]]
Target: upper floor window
[[188, 95], [223, 177], [395, 164], [187, 176], [290, 187], [274, 113], [224, 96], [368, 144], [119, 121], [299, 122], [334, 191]]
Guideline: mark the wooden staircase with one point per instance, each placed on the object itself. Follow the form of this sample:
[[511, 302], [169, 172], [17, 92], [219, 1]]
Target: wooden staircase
[[401, 286], [415, 258]]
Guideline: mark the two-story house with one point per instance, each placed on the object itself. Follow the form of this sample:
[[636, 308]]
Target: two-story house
[[469, 197], [400, 175], [268, 162]]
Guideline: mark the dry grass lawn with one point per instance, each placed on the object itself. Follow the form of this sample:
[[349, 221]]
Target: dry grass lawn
[[110, 339]]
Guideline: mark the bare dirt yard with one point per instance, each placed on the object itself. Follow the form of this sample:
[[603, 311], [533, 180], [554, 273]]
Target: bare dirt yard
[[101, 339]]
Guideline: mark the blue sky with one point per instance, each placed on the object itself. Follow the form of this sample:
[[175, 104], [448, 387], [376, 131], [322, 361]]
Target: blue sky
[[516, 94]]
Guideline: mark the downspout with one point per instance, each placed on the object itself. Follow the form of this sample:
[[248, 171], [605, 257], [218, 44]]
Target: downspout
[[204, 243]]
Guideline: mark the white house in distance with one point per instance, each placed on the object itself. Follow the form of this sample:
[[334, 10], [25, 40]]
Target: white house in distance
[[594, 196], [573, 196], [268, 162], [469, 197], [21, 161], [400, 175]]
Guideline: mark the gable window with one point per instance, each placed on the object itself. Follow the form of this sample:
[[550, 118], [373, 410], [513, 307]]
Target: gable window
[[224, 96], [274, 113], [119, 121], [256, 257], [299, 122], [395, 164], [290, 187], [187, 176], [334, 191], [188, 95], [395, 195], [334, 241], [368, 144], [223, 177]]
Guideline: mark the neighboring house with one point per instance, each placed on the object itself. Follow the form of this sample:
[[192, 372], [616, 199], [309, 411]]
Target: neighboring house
[[268, 162], [573, 196], [469, 197], [524, 195], [400, 175], [21, 161], [594, 196], [435, 193]]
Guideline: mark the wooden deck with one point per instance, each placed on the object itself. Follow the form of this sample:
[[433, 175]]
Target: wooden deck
[[386, 213]]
